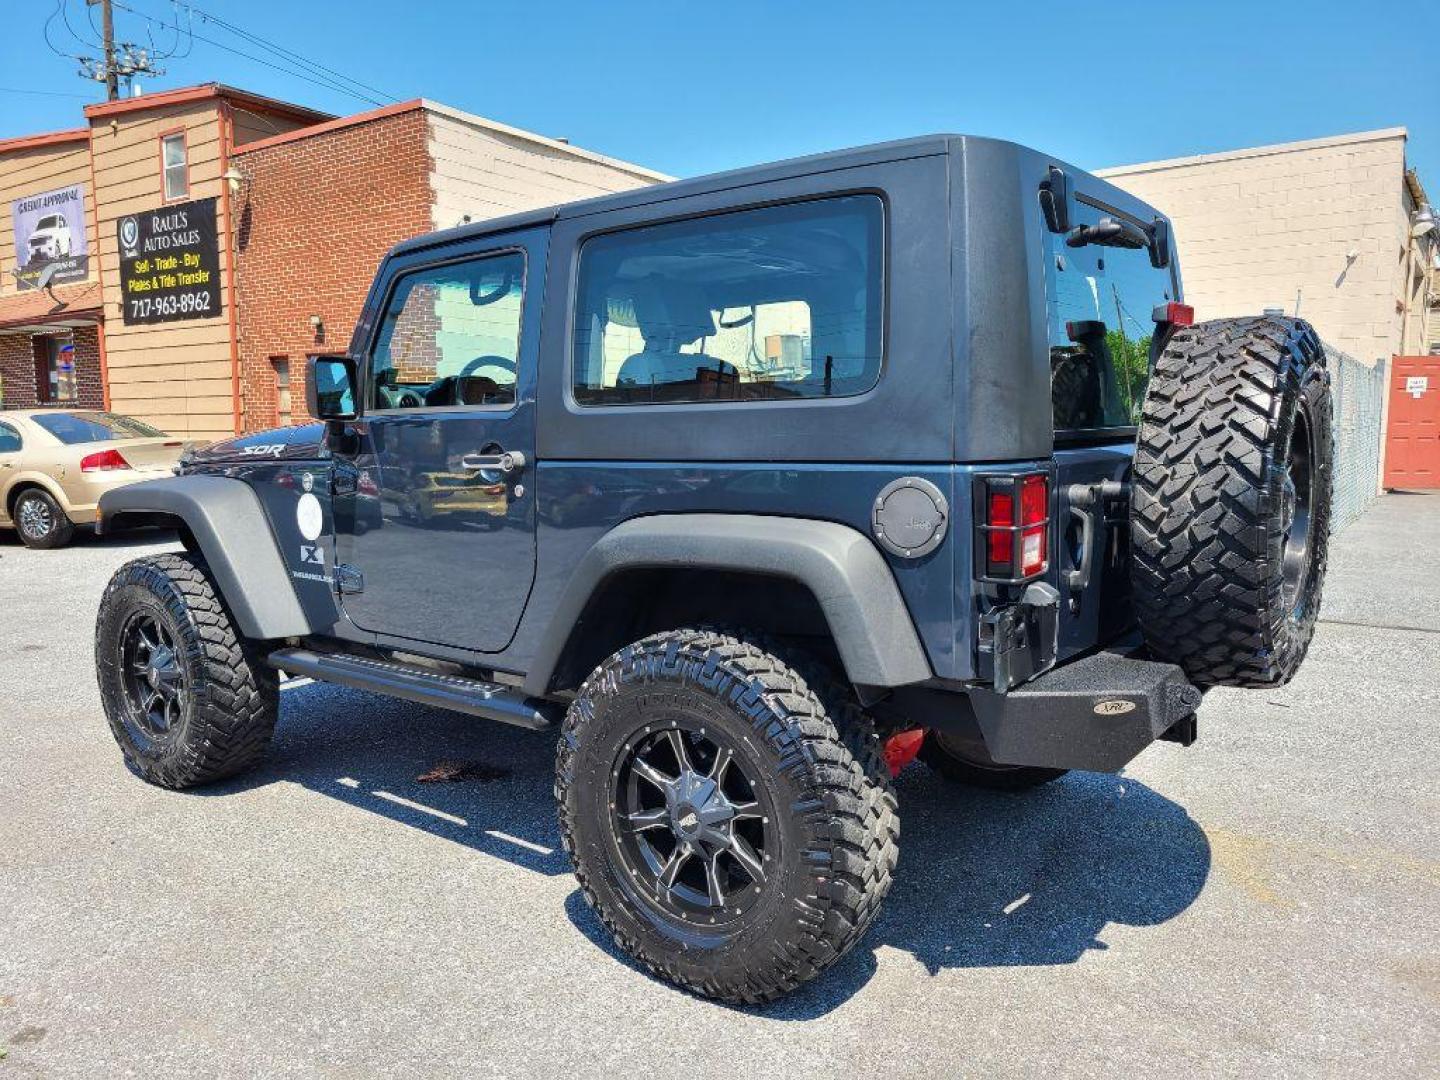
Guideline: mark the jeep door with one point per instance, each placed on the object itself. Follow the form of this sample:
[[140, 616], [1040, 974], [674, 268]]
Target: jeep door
[[439, 543]]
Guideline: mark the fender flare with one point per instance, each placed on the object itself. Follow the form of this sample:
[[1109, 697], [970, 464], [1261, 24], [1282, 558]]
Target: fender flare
[[233, 534], [841, 567]]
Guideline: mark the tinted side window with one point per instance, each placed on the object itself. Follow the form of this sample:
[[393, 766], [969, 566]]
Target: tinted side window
[[775, 303], [9, 439], [450, 335]]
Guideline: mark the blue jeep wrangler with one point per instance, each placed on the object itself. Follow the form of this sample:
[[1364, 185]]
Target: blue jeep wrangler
[[752, 488]]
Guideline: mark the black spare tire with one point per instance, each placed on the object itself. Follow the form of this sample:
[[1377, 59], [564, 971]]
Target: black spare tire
[[1230, 501]]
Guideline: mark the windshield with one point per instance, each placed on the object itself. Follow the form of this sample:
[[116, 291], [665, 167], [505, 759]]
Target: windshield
[[84, 427], [1098, 304]]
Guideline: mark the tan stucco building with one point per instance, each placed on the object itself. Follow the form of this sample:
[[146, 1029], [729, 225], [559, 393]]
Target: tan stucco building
[[1320, 227]]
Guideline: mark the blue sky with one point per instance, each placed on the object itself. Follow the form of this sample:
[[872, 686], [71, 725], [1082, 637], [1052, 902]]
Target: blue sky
[[690, 88]]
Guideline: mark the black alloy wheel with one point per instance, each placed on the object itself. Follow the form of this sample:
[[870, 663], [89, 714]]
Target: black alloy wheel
[[156, 691], [1297, 494], [693, 828]]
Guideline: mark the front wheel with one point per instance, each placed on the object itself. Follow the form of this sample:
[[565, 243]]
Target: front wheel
[[716, 821], [188, 700]]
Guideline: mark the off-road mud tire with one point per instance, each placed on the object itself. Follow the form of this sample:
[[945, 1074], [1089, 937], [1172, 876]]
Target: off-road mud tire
[[231, 699], [837, 828], [1208, 502]]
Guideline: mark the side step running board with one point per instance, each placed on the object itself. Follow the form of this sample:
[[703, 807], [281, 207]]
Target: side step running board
[[474, 696]]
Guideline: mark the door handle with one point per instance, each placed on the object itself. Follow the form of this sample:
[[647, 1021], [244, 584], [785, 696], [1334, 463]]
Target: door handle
[[509, 461]]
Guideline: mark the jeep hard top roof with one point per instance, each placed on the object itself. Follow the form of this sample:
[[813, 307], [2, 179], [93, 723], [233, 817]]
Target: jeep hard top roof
[[810, 165]]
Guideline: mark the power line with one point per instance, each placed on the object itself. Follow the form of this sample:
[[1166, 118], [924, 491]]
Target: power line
[[288, 53], [311, 75], [46, 93], [45, 32]]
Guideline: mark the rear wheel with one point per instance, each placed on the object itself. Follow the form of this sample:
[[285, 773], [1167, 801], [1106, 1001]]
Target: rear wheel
[[1230, 505], [716, 821], [188, 700], [966, 761], [40, 521]]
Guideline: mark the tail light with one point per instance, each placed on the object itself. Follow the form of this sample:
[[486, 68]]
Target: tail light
[[1174, 314], [104, 461], [1016, 526]]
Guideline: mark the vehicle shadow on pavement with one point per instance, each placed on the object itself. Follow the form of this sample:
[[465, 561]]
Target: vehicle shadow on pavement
[[370, 751], [986, 879]]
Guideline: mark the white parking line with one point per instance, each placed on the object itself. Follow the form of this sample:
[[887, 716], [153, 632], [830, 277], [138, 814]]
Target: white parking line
[[409, 805], [528, 845]]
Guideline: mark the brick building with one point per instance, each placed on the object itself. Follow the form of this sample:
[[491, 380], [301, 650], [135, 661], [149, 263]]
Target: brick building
[[305, 257], [278, 216]]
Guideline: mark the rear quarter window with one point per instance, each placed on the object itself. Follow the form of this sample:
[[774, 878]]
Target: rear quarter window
[[774, 303]]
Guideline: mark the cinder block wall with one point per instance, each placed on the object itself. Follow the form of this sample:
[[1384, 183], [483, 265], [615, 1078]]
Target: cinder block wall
[[1277, 226]]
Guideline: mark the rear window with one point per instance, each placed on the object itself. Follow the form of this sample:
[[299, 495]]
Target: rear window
[[85, 427], [779, 302], [1098, 305]]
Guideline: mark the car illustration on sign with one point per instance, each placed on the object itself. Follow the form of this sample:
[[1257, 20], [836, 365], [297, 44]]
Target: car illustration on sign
[[50, 240]]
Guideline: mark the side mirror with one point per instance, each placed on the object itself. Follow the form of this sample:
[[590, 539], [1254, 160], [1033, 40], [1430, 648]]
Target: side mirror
[[330, 390]]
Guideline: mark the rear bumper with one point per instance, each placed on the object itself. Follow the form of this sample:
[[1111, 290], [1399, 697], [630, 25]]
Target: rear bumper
[[1093, 714]]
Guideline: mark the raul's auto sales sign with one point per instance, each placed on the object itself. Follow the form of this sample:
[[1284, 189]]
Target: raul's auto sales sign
[[50, 232], [169, 263]]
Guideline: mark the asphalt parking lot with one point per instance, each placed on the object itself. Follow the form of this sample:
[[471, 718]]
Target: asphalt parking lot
[[1264, 903]]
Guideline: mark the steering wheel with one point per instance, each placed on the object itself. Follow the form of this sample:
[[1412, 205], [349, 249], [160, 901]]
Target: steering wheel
[[743, 320], [483, 362]]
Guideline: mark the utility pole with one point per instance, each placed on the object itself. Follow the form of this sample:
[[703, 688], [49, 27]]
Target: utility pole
[[107, 36], [119, 62]]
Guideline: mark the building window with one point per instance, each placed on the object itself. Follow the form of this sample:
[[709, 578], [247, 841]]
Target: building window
[[284, 408], [55, 381], [777, 303], [173, 166]]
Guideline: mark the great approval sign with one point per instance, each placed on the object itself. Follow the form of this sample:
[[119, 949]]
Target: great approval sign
[[50, 232], [170, 263]]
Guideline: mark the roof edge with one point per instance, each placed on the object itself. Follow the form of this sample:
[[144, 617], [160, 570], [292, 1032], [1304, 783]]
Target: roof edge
[[1267, 150], [328, 126], [185, 94], [47, 138], [461, 116]]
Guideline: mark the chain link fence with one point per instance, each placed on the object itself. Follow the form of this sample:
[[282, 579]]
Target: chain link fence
[[1359, 395]]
